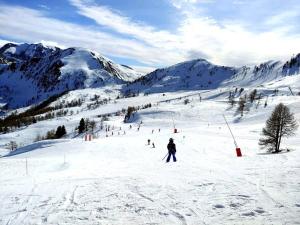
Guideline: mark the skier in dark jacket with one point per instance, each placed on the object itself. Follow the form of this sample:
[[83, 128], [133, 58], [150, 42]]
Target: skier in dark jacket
[[172, 150]]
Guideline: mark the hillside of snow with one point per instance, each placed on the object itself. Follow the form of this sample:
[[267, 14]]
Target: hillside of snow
[[90, 108], [200, 74], [30, 73], [117, 178]]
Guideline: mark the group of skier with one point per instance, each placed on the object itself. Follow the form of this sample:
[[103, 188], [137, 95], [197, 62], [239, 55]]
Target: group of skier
[[171, 145]]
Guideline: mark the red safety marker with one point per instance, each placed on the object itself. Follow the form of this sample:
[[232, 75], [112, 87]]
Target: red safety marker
[[238, 152], [88, 137]]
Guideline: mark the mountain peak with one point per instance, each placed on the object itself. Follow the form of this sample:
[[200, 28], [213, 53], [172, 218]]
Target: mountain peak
[[201, 74], [50, 70]]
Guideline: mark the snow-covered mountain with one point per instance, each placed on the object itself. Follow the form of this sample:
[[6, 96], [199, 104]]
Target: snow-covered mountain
[[29, 73], [201, 74], [264, 72], [190, 75]]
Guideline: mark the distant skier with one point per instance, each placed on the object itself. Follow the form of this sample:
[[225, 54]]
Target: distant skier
[[172, 150], [153, 145], [149, 141]]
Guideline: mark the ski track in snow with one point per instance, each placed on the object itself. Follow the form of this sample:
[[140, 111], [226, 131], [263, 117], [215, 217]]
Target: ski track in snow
[[84, 202], [120, 180]]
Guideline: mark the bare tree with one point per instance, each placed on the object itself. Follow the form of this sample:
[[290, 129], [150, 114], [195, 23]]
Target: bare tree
[[92, 125], [186, 101], [280, 124], [242, 104], [252, 95], [38, 138], [13, 145], [231, 99], [130, 111], [87, 124]]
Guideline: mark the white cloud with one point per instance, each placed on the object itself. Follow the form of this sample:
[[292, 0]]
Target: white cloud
[[222, 42], [183, 3], [232, 44], [143, 69], [37, 27], [114, 20], [3, 42], [283, 18], [52, 44], [44, 6]]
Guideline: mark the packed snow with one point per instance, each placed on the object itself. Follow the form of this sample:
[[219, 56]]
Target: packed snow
[[120, 179]]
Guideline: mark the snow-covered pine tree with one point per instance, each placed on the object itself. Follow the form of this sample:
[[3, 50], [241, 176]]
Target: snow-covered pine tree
[[81, 127], [58, 132], [63, 130]]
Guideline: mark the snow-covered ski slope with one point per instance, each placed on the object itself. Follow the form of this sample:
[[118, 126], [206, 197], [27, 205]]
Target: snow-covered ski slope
[[119, 179]]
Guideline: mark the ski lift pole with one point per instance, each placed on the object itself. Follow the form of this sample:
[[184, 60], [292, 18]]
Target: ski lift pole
[[238, 150], [173, 121], [26, 165], [291, 90], [175, 130]]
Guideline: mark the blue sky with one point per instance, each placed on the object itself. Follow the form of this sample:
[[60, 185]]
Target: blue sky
[[149, 34]]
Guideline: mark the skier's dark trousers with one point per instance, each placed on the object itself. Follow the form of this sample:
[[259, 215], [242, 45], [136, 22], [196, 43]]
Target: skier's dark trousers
[[172, 150]]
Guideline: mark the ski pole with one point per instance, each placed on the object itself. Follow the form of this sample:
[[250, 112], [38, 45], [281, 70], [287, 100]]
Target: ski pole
[[165, 156]]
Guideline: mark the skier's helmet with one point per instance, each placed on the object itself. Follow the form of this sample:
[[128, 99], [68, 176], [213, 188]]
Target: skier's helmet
[[171, 140]]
